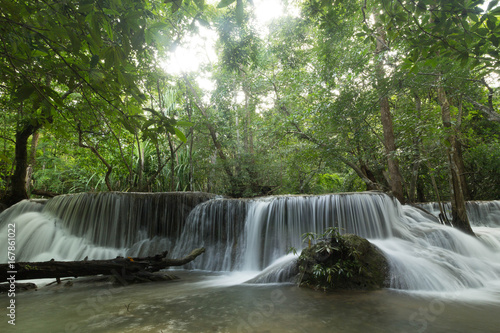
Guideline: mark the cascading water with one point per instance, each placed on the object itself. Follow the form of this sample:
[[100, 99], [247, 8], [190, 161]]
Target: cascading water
[[271, 226], [480, 213], [428, 256], [97, 225], [252, 235]]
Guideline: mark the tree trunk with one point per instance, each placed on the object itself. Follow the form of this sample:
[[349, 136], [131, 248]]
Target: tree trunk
[[18, 180], [372, 185], [172, 163], [459, 159], [395, 181], [59, 269], [191, 144], [416, 154], [140, 163], [458, 210], [32, 160]]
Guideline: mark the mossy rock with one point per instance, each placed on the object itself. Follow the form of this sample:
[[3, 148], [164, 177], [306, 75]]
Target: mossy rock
[[343, 262]]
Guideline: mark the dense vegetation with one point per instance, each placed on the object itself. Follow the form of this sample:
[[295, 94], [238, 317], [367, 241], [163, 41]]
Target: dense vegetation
[[393, 95], [335, 261]]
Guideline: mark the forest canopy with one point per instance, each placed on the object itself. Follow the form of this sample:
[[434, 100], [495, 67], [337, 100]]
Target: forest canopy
[[400, 96]]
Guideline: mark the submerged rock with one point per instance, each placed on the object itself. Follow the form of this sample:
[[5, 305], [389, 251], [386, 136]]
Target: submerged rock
[[343, 262]]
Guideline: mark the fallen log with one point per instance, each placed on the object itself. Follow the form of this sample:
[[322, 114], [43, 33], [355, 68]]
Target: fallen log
[[44, 193], [118, 266]]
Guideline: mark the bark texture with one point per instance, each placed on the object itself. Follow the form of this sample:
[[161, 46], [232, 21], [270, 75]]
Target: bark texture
[[60, 269]]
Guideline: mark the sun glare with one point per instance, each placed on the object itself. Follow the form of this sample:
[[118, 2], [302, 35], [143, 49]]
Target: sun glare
[[195, 51], [198, 50], [267, 10]]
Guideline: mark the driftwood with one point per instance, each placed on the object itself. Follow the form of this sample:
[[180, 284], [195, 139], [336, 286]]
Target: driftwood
[[44, 193], [125, 267]]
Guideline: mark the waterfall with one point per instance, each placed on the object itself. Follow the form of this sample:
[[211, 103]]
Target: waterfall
[[97, 225], [251, 234], [217, 226], [428, 256], [480, 213], [256, 234]]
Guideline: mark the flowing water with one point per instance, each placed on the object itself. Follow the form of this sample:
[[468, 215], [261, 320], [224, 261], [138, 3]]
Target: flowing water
[[208, 302], [441, 280]]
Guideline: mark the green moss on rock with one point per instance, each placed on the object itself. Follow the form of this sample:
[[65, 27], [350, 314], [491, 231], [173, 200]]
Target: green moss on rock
[[343, 262]]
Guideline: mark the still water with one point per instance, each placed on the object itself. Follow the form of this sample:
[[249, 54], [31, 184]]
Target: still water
[[210, 302]]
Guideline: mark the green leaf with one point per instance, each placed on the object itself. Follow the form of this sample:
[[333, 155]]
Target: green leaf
[[109, 30], [494, 40], [180, 135], [225, 3], [491, 24], [24, 92], [147, 124], [239, 12], [200, 4], [109, 58], [432, 62], [184, 123], [110, 12], [128, 126], [94, 61], [492, 4], [465, 24], [54, 96], [76, 42], [176, 5], [38, 53]]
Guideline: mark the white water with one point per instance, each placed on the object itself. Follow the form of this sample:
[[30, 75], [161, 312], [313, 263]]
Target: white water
[[266, 229], [252, 236], [431, 257]]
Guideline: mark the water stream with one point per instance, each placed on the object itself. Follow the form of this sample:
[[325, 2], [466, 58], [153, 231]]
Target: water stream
[[441, 280], [208, 302]]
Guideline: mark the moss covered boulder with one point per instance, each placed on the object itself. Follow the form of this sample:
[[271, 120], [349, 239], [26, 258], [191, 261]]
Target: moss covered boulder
[[343, 262]]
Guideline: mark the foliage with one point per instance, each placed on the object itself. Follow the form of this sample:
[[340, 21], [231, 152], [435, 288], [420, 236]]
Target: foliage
[[335, 261], [328, 243], [484, 162], [294, 106]]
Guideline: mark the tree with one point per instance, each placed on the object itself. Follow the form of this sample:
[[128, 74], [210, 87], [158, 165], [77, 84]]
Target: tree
[[331, 99], [395, 180], [50, 50]]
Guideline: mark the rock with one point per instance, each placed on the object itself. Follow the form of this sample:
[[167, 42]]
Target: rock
[[6, 287], [343, 262]]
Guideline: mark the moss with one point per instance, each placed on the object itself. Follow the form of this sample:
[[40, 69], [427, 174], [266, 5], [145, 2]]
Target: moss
[[343, 262]]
